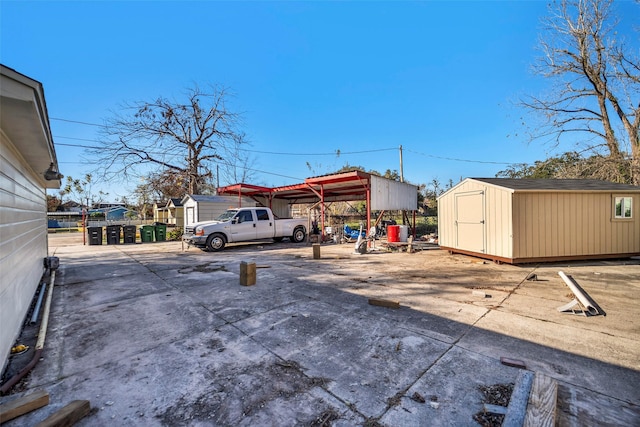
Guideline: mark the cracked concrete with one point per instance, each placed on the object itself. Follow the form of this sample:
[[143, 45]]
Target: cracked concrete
[[154, 335]]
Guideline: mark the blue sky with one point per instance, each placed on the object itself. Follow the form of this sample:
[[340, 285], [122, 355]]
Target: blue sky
[[439, 78]]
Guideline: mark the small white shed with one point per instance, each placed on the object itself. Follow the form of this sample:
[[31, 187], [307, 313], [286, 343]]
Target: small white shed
[[538, 220], [199, 208]]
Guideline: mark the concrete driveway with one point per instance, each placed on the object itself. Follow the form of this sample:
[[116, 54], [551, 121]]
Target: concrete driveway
[[154, 335]]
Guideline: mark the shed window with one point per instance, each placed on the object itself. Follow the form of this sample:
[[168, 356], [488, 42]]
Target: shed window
[[622, 207]]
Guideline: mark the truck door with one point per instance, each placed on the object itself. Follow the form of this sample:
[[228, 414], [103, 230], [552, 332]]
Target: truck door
[[265, 225], [244, 227]]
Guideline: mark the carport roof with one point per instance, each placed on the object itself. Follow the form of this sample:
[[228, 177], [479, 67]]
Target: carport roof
[[344, 186]]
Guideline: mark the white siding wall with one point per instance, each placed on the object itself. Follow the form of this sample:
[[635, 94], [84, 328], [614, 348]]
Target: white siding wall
[[23, 242], [208, 211]]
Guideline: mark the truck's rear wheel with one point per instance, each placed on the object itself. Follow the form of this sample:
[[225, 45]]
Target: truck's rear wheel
[[216, 242], [298, 235]]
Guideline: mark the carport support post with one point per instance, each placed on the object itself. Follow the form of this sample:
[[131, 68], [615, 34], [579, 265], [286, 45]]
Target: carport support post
[[247, 273]]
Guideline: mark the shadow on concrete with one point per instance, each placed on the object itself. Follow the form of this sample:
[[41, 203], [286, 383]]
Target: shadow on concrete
[[156, 336]]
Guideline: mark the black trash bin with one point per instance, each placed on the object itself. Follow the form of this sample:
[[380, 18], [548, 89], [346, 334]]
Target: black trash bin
[[95, 235], [129, 233], [113, 234]]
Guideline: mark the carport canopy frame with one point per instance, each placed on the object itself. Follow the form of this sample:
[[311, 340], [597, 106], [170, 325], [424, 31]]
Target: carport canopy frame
[[378, 193]]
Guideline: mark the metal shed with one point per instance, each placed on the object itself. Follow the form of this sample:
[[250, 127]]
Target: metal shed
[[538, 220], [199, 208]]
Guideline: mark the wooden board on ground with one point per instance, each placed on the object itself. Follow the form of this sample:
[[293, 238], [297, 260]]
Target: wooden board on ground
[[23, 405], [517, 408], [384, 303], [69, 415], [541, 410]]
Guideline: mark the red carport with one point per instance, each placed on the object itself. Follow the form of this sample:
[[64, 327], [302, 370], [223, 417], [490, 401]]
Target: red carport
[[340, 187]]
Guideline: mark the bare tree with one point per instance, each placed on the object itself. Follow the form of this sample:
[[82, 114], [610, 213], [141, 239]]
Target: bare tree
[[183, 138], [596, 87], [82, 191], [238, 162]]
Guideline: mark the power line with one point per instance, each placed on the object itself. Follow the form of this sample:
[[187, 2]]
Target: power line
[[76, 121], [453, 159]]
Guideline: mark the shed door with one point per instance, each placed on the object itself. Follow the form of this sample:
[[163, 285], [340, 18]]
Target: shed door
[[470, 221], [191, 216]]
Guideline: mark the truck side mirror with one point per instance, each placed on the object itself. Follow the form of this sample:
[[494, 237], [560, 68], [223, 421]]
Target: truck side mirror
[[234, 221]]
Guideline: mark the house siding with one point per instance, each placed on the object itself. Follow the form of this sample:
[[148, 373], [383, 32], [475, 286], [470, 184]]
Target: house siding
[[23, 241]]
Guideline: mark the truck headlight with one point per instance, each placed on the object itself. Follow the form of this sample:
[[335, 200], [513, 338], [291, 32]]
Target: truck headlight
[[199, 231]]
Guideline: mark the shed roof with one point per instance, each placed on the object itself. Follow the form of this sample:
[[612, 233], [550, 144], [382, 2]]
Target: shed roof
[[558, 184], [176, 202]]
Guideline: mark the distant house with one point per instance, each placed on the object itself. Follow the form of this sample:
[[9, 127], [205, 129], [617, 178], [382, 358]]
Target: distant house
[[534, 220], [171, 212], [118, 213], [199, 208], [28, 167]]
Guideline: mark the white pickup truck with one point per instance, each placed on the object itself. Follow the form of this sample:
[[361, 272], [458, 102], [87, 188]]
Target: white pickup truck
[[241, 225]]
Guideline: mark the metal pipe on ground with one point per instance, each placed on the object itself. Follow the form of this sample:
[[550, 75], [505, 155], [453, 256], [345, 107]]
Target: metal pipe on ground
[[36, 309], [39, 344]]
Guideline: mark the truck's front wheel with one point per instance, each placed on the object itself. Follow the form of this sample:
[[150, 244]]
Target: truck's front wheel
[[215, 242], [298, 235]]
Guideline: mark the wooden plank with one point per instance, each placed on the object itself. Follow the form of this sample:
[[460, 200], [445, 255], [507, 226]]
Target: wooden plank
[[513, 362], [23, 405], [495, 409], [67, 416], [517, 408], [541, 411], [384, 303]]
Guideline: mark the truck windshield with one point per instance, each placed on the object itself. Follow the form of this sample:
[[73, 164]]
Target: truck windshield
[[226, 216]]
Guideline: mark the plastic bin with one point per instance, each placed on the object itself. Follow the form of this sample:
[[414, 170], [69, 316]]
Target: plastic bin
[[95, 235], [146, 233], [160, 231], [113, 234], [129, 234]]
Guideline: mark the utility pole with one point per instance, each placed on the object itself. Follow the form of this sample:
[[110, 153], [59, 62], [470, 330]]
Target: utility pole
[[401, 172]]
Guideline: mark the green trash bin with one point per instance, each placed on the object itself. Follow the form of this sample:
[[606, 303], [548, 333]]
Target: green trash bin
[[160, 230], [146, 233]]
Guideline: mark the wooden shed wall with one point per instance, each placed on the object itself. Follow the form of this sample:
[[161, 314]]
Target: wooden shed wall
[[496, 214], [23, 242], [549, 225]]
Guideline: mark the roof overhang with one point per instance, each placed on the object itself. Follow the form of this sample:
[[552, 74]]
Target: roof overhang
[[25, 122]]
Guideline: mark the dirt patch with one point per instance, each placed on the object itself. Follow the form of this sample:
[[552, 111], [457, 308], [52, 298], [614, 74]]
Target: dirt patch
[[260, 387], [202, 268], [497, 394]]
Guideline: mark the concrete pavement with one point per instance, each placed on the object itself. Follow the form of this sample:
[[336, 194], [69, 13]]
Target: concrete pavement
[[154, 335]]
